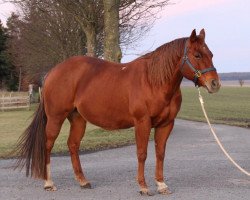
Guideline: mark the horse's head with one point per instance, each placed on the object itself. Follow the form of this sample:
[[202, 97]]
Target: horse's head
[[197, 64]]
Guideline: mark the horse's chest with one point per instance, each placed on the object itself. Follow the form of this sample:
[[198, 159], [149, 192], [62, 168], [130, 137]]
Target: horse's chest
[[167, 112], [162, 117]]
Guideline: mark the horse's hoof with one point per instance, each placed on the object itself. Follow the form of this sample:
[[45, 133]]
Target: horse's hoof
[[164, 191], [145, 192], [86, 186], [50, 188]]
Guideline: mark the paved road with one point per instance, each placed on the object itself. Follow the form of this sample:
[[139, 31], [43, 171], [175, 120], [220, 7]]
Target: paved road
[[195, 169]]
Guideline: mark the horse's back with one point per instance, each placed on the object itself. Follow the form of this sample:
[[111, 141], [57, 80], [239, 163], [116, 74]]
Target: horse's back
[[97, 88], [76, 70]]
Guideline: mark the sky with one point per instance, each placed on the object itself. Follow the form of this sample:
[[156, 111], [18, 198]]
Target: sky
[[226, 22]]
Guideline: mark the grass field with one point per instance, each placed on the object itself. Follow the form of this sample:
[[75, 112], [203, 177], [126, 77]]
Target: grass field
[[13, 123], [230, 106]]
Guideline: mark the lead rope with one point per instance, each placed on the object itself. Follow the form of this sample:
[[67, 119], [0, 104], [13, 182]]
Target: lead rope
[[217, 139]]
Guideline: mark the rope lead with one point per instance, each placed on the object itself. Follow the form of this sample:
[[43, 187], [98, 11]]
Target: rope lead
[[217, 139]]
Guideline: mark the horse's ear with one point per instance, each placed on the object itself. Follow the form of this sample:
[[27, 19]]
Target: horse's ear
[[193, 36], [202, 34]]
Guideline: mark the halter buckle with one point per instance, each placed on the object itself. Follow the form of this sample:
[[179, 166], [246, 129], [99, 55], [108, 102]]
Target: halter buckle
[[198, 73], [185, 57]]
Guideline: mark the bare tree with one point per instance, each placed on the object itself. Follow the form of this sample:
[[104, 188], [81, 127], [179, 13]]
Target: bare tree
[[89, 15], [51, 31], [241, 82], [46, 38], [137, 17]]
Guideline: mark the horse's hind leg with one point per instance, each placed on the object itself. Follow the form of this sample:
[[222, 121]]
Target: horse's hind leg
[[77, 130], [53, 128]]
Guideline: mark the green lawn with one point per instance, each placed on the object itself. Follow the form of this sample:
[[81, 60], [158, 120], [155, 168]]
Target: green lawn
[[230, 106], [13, 123]]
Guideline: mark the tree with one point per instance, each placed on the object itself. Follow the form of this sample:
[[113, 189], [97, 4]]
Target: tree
[[50, 31], [7, 72], [43, 39], [13, 46], [112, 50], [89, 15], [137, 17], [3, 62], [241, 82]]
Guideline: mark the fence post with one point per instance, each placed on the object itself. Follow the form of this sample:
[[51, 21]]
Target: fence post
[[2, 103], [30, 95], [11, 98], [28, 102], [40, 94]]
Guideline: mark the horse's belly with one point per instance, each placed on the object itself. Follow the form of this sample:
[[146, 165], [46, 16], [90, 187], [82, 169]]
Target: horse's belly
[[110, 123], [107, 118]]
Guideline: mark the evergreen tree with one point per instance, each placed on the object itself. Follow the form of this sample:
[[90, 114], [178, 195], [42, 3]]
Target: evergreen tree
[[7, 73], [3, 62]]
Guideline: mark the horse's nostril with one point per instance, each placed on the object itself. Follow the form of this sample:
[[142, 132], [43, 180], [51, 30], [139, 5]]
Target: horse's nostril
[[214, 83]]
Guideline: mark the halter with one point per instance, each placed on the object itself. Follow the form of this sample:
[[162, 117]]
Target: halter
[[197, 73]]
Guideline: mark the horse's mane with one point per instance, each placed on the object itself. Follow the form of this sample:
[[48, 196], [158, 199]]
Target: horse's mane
[[162, 61]]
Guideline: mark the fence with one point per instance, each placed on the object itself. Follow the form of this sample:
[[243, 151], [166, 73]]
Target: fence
[[11, 101]]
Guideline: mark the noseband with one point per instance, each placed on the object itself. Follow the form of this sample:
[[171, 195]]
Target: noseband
[[197, 73]]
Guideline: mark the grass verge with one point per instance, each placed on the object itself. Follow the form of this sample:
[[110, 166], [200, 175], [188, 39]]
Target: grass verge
[[13, 123], [231, 105]]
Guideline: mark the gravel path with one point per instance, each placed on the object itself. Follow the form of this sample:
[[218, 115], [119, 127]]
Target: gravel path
[[195, 169]]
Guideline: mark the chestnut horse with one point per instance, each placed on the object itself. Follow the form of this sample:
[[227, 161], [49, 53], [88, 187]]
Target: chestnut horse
[[144, 94]]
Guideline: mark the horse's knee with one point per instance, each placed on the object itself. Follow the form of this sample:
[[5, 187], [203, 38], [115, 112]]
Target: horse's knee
[[160, 156], [142, 157]]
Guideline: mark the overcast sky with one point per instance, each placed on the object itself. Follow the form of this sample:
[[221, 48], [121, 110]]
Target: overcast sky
[[227, 25]]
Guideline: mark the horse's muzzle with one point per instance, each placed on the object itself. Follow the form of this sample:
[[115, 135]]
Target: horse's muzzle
[[213, 85]]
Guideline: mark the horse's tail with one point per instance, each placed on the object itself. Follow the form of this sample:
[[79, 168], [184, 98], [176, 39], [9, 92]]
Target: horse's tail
[[31, 149]]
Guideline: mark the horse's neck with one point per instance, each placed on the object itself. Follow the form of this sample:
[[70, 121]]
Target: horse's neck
[[174, 84], [163, 64]]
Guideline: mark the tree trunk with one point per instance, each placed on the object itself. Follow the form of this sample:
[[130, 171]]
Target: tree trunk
[[90, 34], [91, 42], [112, 50]]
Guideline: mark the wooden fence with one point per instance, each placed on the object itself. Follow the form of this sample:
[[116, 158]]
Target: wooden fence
[[9, 101]]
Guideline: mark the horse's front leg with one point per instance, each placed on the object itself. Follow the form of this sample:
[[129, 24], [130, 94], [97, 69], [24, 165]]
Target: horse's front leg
[[142, 132], [161, 136]]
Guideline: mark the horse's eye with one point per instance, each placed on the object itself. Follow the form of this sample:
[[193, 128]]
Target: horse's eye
[[197, 55]]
